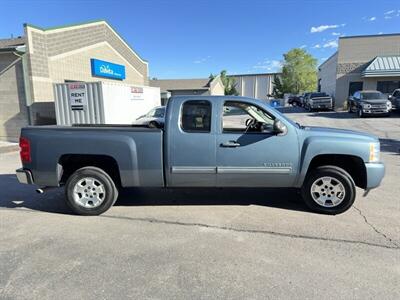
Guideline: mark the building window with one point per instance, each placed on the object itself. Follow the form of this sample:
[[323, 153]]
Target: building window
[[196, 116], [355, 86], [387, 87], [71, 81]]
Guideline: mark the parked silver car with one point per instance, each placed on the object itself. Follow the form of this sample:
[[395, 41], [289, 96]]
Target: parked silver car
[[154, 118]]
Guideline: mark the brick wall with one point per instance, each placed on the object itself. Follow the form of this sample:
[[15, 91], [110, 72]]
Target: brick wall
[[13, 111]]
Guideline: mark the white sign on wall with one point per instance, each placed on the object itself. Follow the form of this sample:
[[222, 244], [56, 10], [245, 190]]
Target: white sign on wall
[[77, 96], [137, 93]]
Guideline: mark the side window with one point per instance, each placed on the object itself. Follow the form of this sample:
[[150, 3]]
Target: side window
[[357, 95], [238, 115], [196, 116]]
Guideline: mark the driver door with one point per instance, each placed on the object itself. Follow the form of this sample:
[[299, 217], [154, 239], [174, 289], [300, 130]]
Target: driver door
[[251, 157]]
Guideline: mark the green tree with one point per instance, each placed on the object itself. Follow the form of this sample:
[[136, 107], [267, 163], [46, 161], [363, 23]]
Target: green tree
[[279, 89], [229, 83], [299, 72]]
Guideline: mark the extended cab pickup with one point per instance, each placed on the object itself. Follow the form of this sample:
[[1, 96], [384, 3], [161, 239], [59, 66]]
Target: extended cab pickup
[[207, 141]]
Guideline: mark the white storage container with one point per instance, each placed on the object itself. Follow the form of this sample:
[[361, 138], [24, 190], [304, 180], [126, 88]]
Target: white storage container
[[103, 102]]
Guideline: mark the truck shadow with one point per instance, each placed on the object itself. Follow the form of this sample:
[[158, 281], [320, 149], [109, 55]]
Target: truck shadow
[[278, 198], [390, 145], [15, 196]]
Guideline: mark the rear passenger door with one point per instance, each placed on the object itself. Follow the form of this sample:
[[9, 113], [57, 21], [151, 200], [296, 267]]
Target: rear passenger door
[[191, 144]]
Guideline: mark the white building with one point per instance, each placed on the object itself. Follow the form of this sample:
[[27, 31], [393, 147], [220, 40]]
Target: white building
[[258, 86]]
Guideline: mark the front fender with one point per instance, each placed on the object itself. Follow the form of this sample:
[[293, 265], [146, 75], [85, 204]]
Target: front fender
[[314, 146]]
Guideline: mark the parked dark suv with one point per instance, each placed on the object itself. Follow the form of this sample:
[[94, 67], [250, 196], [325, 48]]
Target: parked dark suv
[[369, 103]]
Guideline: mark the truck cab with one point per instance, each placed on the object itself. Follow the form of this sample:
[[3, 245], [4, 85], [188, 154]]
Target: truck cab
[[231, 142]]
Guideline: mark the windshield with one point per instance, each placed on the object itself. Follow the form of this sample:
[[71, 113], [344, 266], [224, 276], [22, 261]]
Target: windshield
[[159, 113], [156, 113], [372, 96], [315, 95]]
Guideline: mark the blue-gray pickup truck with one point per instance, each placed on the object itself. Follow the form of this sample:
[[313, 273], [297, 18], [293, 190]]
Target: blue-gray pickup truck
[[207, 141]]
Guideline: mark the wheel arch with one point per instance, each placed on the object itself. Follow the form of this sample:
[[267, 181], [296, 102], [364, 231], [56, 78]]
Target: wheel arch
[[69, 163], [352, 164]]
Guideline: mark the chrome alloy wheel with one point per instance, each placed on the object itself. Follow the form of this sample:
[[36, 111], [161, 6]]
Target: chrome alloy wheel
[[328, 191], [89, 192]]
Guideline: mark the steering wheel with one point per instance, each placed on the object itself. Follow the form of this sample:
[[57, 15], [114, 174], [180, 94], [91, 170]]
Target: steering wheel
[[251, 124]]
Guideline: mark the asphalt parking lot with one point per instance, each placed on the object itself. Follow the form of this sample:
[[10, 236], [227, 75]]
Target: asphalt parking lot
[[205, 243]]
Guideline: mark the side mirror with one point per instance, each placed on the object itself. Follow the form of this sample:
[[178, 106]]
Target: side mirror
[[279, 127], [351, 98]]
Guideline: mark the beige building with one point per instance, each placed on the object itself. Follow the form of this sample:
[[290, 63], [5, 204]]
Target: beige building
[[370, 62], [29, 66], [199, 86], [258, 86]]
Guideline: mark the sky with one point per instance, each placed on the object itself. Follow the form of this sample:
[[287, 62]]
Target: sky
[[191, 39]]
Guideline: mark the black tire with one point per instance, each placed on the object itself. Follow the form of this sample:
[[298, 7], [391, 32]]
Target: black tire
[[110, 191], [340, 175]]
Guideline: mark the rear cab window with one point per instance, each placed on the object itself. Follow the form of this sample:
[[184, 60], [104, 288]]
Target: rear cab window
[[196, 116]]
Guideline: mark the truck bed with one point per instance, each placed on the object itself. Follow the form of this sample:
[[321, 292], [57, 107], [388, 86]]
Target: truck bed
[[138, 151]]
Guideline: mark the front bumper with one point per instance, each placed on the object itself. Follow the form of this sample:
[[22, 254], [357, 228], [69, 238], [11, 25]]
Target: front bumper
[[375, 174], [24, 176], [375, 111]]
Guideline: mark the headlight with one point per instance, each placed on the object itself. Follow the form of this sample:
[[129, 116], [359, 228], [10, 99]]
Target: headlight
[[366, 105], [389, 105], [374, 152]]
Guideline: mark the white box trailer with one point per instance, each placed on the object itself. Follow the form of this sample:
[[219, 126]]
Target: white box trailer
[[103, 102]]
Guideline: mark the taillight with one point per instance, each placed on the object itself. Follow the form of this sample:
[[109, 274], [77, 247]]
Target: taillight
[[25, 152]]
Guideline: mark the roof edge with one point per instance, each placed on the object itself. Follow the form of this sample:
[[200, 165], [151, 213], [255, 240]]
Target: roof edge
[[64, 26], [329, 58], [254, 74], [87, 23], [369, 35]]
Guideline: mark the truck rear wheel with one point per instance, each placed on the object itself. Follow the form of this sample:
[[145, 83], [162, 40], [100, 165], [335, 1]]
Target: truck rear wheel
[[329, 190], [90, 191]]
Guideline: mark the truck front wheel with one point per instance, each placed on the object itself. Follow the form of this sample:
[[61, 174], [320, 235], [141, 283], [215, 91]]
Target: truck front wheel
[[90, 191], [329, 190]]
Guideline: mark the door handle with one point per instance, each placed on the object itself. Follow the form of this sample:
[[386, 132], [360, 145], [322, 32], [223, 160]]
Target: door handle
[[230, 144]]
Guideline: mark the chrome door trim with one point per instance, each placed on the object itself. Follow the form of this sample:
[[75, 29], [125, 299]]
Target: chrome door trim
[[194, 170], [254, 170]]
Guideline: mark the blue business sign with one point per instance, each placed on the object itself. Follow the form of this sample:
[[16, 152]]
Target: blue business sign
[[107, 69]]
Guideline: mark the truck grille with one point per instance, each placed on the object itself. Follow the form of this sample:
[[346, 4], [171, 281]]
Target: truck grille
[[318, 102], [378, 106]]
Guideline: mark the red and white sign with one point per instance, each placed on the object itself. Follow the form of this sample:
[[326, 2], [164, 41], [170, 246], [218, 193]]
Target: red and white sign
[[77, 95], [137, 93]]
